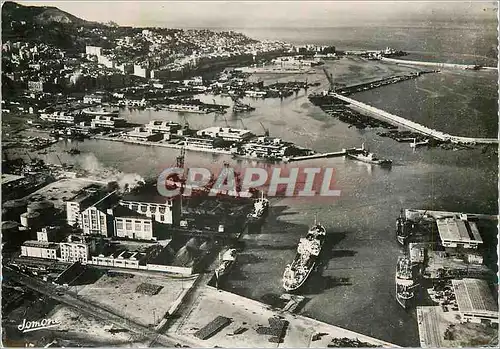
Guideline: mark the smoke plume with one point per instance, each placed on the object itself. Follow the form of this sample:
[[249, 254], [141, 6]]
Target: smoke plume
[[95, 169]]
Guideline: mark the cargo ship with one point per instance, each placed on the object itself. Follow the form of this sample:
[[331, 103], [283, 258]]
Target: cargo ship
[[403, 229], [228, 259], [308, 250], [188, 108], [405, 285], [365, 156], [102, 111], [260, 208]]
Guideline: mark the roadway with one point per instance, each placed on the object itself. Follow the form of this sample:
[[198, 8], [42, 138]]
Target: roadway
[[413, 126]]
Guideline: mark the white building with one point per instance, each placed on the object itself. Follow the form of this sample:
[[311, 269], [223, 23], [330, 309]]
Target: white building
[[158, 126], [107, 122], [76, 249], [132, 225], [93, 99], [140, 71], [93, 50], [61, 117], [120, 259], [80, 202], [106, 61], [47, 234], [143, 134], [147, 201], [226, 133], [96, 222], [39, 249], [475, 301], [456, 232]]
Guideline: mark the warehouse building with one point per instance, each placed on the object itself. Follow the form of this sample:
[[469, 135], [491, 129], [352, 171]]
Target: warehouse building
[[475, 301]]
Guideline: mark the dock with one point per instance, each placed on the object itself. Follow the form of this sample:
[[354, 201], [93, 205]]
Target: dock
[[440, 214], [343, 152], [411, 125]]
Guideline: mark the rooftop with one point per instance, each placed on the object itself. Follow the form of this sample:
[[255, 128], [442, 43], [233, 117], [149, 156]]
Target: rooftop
[[453, 229], [122, 211], [41, 244], [225, 131], [473, 295], [147, 193]]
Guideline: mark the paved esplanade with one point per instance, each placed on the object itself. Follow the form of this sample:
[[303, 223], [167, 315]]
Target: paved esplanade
[[399, 121]]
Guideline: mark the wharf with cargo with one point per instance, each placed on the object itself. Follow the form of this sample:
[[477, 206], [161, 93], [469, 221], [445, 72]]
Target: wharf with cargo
[[448, 277]]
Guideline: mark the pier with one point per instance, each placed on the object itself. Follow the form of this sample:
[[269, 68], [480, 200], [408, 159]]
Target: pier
[[413, 126], [343, 152], [437, 64]]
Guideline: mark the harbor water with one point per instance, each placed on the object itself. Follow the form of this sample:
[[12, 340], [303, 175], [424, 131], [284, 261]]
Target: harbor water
[[353, 286]]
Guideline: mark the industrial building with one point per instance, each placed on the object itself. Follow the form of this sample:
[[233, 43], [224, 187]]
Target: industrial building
[[143, 134], [158, 126], [39, 249], [226, 133], [81, 201], [475, 301], [76, 249], [147, 201], [130, 224], [455, 232]]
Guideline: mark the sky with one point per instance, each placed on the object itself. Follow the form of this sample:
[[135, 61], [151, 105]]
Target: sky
[[278, 14]]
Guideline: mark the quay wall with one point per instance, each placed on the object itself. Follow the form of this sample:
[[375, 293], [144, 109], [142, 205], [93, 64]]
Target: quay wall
[[434, 64], [399, 121]]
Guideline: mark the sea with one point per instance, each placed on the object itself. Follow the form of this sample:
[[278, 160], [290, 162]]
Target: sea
[[354, 285]]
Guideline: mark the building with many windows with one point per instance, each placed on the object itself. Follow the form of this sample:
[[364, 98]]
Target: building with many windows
[[76, 249], [147, 201], [132, 225], [39, 249]]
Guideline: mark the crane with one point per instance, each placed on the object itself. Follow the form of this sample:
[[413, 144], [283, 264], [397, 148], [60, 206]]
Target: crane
[[225, 120], [242, 124], [266, 131], [330, 79]]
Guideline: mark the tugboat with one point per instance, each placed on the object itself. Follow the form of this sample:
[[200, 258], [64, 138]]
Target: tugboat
[[405, 286], [308, 250], [260, 208], [241, 107], [369, 158]]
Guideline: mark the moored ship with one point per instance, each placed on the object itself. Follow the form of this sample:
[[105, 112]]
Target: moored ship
[[405, 285], [308, 250], [101, 111], [188, 108], [228, 259]]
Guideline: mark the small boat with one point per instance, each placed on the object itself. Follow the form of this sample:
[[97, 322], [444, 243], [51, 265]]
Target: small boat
[[260, 208], [365, 156]]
